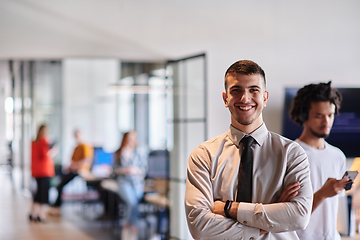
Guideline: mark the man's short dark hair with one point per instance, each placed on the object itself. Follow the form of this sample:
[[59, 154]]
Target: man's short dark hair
[[245, 67], [322, 92]]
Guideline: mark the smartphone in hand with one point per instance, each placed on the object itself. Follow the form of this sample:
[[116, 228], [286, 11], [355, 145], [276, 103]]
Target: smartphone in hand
[[351, 175]]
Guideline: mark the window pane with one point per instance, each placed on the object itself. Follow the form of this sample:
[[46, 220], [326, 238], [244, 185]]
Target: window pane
[[195, 88], [157, 113]]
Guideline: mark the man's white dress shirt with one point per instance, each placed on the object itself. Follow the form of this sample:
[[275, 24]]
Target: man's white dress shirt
[[212, 174]]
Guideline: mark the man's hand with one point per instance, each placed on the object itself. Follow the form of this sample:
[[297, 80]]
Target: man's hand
[[219, 208], [330, 188], [333, 187], [289, 192]]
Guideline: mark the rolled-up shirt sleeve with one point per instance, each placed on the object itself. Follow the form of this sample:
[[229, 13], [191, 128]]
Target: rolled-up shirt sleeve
[[199, 205]]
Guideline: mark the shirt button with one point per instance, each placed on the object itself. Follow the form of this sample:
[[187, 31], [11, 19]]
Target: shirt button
[[252, 238], [244, 222]]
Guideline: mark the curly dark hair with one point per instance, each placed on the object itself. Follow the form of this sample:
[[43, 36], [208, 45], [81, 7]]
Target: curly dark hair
[[321, 92], [246, 67]]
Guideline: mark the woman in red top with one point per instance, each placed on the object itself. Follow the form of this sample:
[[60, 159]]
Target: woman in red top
[[42, 169]]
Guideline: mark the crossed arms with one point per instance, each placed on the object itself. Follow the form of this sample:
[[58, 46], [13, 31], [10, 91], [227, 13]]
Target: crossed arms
[[206, 219]]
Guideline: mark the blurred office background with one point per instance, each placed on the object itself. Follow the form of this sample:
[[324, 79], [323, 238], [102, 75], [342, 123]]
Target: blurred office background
[[107, 67]]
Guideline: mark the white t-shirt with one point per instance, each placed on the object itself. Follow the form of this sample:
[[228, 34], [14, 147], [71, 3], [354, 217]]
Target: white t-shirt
[[324, 163]]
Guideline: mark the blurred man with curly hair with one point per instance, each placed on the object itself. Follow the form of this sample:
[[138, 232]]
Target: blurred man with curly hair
[[314, 108]]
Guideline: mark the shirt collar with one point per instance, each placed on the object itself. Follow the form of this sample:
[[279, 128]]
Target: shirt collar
[[259, 135]]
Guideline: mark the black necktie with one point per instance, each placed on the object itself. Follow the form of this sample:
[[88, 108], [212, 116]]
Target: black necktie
[[244, 193]]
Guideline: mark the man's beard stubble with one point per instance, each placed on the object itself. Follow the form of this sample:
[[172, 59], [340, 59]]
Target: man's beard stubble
[[324, 135]]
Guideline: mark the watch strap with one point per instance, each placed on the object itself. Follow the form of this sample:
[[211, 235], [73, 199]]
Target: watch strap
[[227, 208]]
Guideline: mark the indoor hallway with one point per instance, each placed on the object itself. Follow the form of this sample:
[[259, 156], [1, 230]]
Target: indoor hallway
[[15, 225]]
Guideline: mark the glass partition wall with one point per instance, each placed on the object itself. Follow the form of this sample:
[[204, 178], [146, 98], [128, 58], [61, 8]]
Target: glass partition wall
[[141, 103], [164, 102], [187, 128], [33, 97], [167, 107]]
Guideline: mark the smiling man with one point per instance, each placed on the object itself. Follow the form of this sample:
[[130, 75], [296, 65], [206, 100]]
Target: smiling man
[[314, 107], [234, 181]]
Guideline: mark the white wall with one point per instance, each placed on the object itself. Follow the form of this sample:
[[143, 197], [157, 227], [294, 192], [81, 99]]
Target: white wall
[[296, 43]]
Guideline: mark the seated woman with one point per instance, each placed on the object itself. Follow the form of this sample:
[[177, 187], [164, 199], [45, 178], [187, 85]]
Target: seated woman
[[130, 169]]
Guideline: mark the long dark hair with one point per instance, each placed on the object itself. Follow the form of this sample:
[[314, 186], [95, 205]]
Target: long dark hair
[[41, 132], [124, 142]]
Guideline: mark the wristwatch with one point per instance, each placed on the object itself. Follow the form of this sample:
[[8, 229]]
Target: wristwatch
[[227, 208]]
